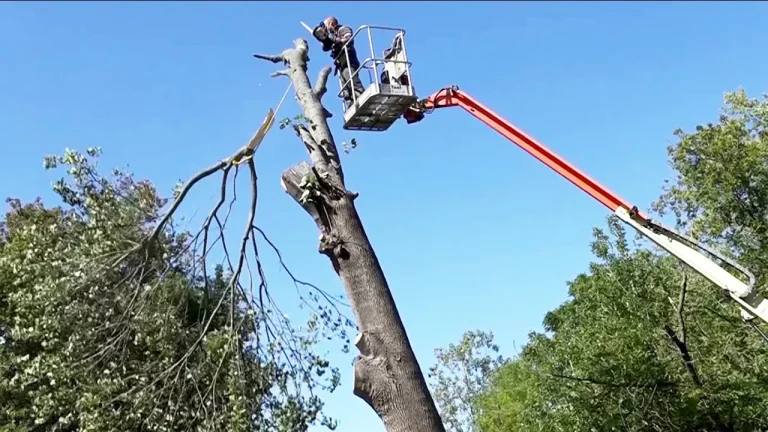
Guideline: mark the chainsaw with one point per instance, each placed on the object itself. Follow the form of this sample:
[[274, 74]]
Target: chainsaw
[[321, 33]]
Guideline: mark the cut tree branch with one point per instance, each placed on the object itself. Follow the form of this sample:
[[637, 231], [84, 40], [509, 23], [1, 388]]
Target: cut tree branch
[[291, 183], [245, 153]]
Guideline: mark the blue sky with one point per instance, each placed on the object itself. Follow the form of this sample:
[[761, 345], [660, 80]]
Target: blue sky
[[472, 232]]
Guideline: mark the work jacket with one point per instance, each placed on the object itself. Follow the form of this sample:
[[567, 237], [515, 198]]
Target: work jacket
[[341, 36]]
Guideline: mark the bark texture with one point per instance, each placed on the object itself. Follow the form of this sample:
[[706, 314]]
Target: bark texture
[[386, 373]]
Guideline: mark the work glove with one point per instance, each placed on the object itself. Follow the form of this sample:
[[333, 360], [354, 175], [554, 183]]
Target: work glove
[[320, 32]]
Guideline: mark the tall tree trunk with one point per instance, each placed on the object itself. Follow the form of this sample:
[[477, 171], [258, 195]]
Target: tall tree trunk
[[386, 373]]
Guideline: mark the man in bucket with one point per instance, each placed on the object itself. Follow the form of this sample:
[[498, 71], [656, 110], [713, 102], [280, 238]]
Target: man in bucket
[[334, 37]]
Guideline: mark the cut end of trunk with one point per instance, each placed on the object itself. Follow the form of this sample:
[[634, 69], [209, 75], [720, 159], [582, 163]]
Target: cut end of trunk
[[291, 179], [291, 183]]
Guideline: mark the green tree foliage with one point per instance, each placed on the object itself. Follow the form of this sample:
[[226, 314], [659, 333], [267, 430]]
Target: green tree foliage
[[614, 356], [460, 375], [643, 344], [94, 338], [720, 192]]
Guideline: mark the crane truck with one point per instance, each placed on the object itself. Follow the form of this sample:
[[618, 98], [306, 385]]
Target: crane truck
[[391, 96]]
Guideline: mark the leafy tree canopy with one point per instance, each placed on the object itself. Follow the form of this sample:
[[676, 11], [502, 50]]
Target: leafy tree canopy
[[720, 193], [461, 375]]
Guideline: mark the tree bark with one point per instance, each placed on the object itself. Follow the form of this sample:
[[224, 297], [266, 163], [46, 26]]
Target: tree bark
[[386, 373]]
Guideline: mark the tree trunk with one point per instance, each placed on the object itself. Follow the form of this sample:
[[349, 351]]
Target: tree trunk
[[386, 373]]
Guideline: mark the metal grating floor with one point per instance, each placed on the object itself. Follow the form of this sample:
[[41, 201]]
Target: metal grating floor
[[378, 111]]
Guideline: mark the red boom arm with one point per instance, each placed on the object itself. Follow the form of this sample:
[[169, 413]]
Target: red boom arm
[[676, 244], [452, 96]]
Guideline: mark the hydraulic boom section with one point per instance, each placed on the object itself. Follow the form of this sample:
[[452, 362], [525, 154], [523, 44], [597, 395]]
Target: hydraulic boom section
[[678, 245]]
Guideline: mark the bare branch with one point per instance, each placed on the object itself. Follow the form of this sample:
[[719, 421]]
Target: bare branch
[[207, 224], [680, 341], [321, 85], [681, 307], [685, 354], [328, 297], [272, 58], [282, 72]]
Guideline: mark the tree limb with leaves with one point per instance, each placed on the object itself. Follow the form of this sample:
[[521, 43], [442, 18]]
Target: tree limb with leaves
[[110, 315]]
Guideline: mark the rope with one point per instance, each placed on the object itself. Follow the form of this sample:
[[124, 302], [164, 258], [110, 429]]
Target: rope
[[290, 84], [259, 136]]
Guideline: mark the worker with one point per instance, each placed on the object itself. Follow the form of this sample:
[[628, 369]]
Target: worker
[[334, 37]]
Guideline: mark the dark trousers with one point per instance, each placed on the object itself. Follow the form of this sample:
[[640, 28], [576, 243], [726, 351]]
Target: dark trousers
[[350, 85]]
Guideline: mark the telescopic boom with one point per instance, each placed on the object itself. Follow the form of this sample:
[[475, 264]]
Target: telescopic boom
[[680, 246]]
